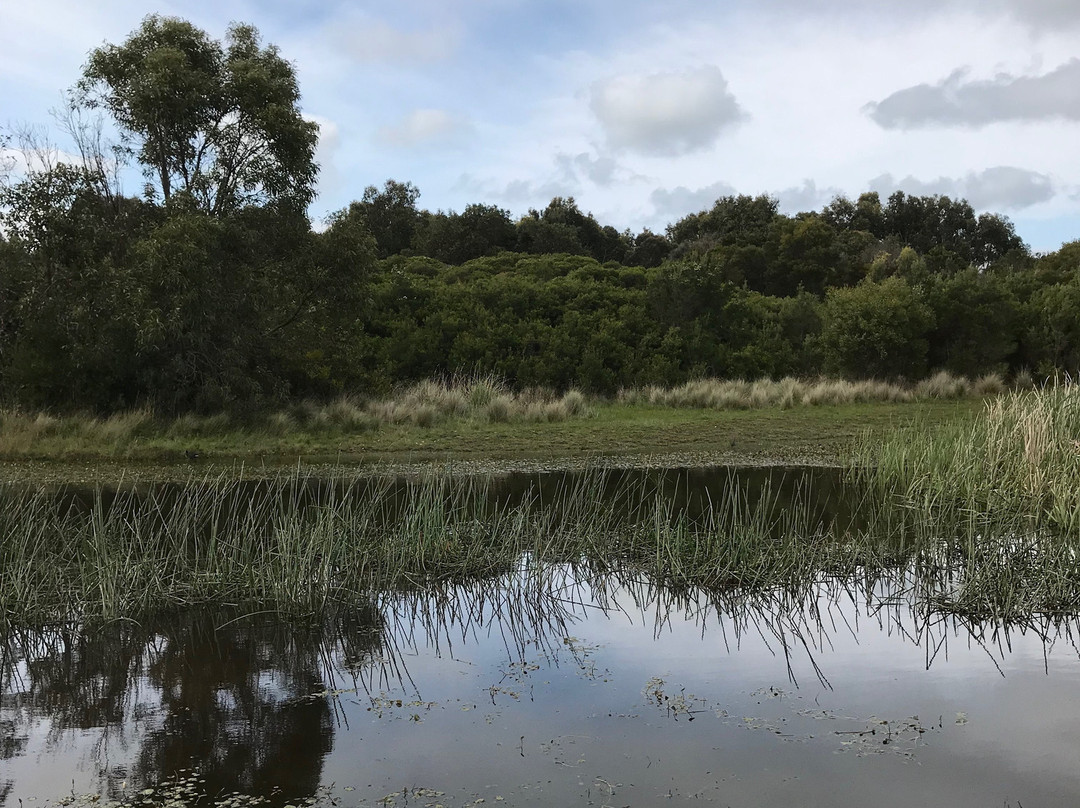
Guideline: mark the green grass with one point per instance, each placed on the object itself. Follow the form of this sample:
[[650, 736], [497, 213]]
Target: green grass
[[1018, 455], [304, 547], [480, 418], [684, 436]]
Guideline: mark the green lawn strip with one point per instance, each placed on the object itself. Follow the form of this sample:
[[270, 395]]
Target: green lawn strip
[[629, 434]]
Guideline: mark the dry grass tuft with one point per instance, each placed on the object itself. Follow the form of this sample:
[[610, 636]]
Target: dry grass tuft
[[737, 394]]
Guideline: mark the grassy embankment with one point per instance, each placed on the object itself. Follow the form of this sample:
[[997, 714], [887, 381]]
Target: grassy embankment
[[708, 421]]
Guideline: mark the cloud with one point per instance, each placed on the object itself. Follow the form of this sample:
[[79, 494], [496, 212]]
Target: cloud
[[423, 127], [680, 201], [958, 102], [603, 170], [517, 193], [1049, 15], [1038, 15], [326, 151], [665, 114], [370, 40], [805, 197], [997, 188]]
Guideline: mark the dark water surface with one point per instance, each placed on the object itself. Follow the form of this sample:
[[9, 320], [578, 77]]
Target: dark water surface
[[556, 686]]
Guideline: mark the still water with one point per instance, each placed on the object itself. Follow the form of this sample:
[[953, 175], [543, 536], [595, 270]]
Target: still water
[[555, 685]]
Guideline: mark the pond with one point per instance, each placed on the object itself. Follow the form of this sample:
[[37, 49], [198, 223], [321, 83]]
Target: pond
[[557, 683]]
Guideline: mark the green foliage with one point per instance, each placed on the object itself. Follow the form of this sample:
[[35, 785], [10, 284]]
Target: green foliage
[[977, 323], [390, 214], [876, 330], [455, 238], [213, 292]]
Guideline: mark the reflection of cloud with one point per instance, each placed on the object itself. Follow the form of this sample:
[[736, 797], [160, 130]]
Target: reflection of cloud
[[665, 113], [371, 40], [680, 201], [423, 127], [998, 187], [956, 101]]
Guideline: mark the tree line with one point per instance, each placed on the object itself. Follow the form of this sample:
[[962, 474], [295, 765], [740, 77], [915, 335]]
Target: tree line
[[211, 290]]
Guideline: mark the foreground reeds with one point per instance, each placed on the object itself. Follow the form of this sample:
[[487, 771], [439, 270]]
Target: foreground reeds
[[290, 546], [1018, 458], [301, 546]]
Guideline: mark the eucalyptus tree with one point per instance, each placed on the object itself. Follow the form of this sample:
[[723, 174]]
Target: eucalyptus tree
[[217, 122]]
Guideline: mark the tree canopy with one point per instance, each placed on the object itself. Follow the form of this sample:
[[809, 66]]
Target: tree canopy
[[217, 122]]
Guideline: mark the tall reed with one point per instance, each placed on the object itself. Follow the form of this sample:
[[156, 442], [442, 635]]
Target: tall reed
[[297, 545]]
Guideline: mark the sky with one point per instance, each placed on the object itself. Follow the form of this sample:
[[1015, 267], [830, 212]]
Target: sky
[[643, 111]]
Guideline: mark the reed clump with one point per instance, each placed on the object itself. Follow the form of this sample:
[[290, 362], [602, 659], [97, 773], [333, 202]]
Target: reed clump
[[1018, 457], [739, 394], [481, 398], [302, 546]]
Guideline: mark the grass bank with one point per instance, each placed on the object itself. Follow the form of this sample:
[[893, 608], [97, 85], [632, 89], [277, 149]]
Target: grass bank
[[713, 422]]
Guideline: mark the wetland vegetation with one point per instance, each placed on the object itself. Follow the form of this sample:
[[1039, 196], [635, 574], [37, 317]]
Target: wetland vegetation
[[696, 497], [373, 583]]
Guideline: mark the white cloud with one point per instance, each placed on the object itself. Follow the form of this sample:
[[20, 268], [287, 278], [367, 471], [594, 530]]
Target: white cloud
[[805, 197], [955, 101], [678, 202], [423, 127], [997, 188], [603, 170], [326, 152], [665, 114], [366, 39]]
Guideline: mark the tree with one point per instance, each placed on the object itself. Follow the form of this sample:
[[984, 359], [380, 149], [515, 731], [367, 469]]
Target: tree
[[733, 220], [391, 215], [455, 238], [218, 123], [876, 330]]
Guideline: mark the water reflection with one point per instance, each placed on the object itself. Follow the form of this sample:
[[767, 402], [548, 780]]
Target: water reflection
[[195, 690], [259, 706]]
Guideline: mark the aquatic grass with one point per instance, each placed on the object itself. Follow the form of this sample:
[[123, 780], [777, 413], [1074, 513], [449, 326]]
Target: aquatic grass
[[303, 545], [1002, 491], [1019, 456], [300, 545]]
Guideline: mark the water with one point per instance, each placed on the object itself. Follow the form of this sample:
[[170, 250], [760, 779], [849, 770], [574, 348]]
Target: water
[[555, 685]]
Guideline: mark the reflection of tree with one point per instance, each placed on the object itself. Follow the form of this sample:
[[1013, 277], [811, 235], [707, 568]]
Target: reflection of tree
[[232, 699]]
